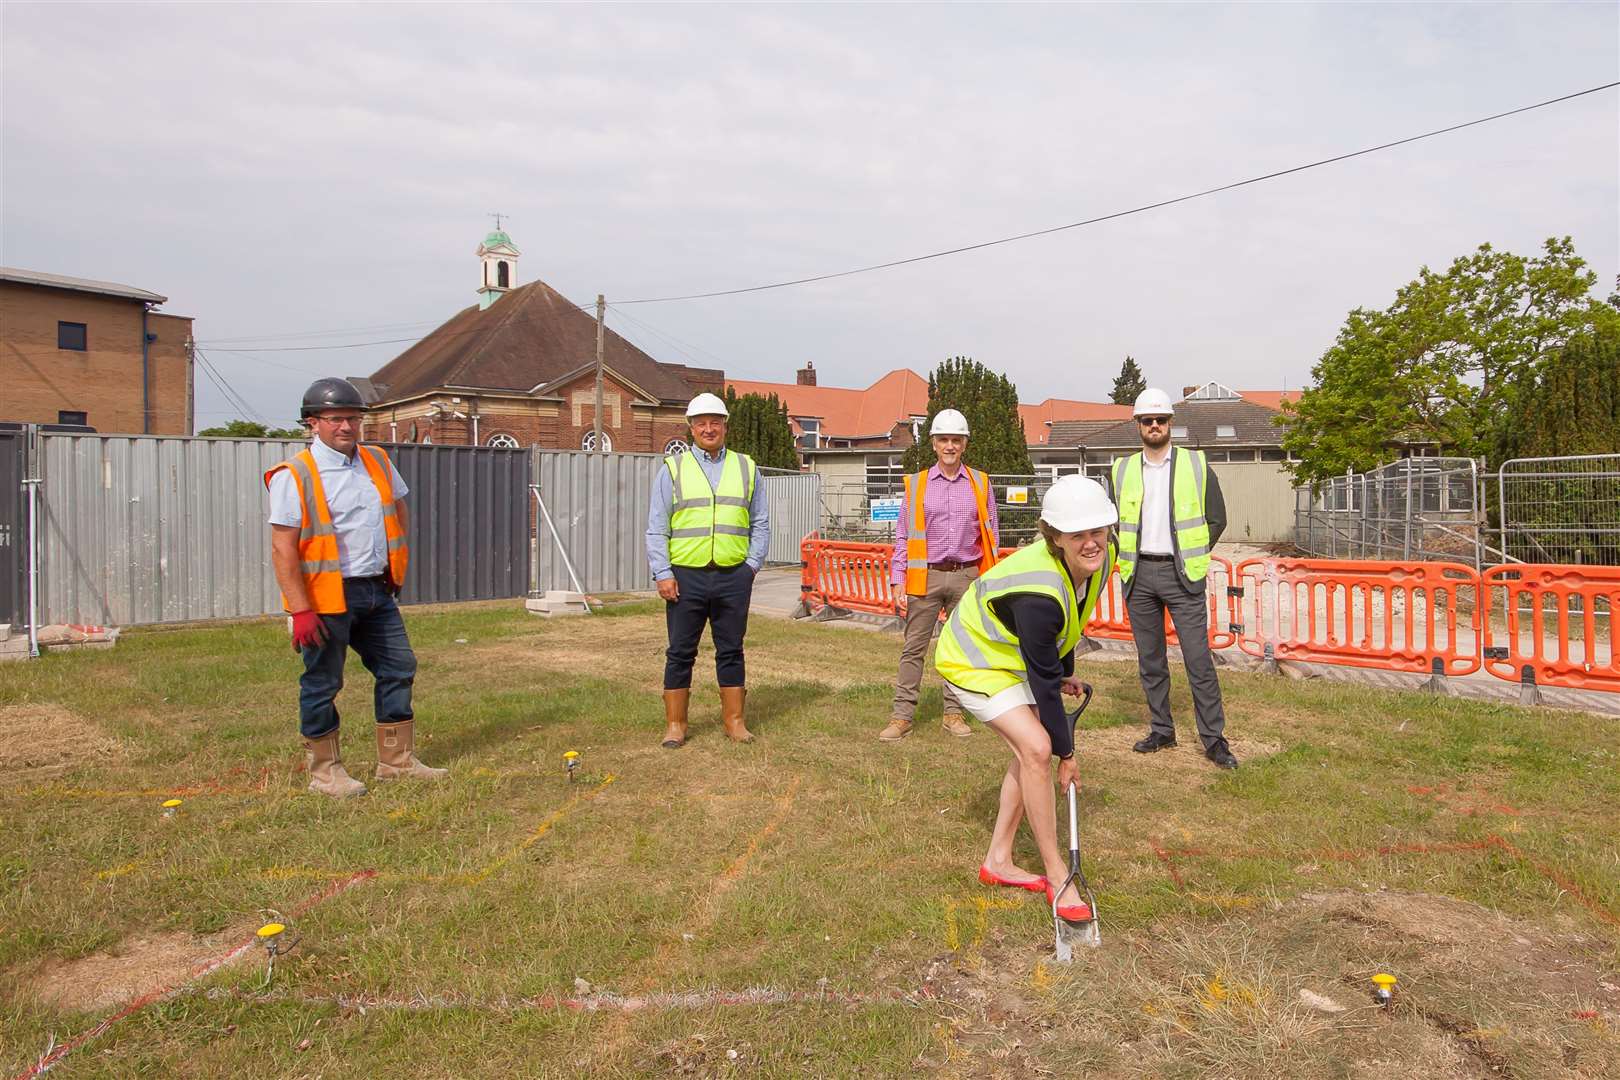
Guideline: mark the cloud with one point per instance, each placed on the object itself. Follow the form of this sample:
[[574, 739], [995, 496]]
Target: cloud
[[282, 168]]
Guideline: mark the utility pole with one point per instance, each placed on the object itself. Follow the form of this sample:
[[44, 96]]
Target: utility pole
[[601, 327]]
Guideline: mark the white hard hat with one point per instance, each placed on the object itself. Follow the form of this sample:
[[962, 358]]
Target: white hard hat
[[707, 405], [948, 422], [1151, 402], [1077, 503]]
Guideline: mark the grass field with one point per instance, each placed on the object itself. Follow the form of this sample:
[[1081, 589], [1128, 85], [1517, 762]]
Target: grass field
[[803, 906]]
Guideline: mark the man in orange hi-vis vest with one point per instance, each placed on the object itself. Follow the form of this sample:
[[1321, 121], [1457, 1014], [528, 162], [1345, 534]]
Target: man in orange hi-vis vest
[[946, 537], [337, 541]]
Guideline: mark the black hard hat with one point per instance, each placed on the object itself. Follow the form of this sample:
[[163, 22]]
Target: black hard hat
[[326, 394]]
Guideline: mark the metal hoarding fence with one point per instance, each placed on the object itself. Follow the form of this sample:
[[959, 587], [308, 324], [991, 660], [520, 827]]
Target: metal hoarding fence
[[142, 529]]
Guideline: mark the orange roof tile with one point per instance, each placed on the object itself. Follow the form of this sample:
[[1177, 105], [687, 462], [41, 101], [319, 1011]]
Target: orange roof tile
[[901, 394], [1271, 399], [847, 413], [1038, 419]]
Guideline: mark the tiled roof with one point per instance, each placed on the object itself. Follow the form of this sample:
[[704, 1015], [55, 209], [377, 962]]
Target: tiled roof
[[1040, 419], [528, 338], [1271, 399], [1252, 425], [848, 413], [901, 394]]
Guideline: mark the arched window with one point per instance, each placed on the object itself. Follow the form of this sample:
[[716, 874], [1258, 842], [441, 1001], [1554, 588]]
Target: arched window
[[504, 441], [589, 442], [503, 276], [675, 446]]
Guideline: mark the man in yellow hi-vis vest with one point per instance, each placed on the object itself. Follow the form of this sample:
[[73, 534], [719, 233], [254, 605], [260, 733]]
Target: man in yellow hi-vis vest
[[337, 542], [1170, 515], [708, 531]]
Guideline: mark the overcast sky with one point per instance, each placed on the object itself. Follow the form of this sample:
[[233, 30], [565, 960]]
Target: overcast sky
[[276, 170]]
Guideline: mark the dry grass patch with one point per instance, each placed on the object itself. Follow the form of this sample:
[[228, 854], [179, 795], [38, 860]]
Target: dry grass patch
[[40, 741], [1286, 992]]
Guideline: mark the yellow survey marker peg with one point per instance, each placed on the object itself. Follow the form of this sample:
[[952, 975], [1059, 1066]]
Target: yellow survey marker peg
[[1382, 985], [171, 807], [571, 762]]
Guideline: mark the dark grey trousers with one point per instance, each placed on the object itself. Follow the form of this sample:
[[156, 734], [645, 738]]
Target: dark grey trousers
[[1154, 588]]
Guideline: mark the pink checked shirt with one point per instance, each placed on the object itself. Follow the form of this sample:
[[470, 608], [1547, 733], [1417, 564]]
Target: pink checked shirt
[[952, 519]]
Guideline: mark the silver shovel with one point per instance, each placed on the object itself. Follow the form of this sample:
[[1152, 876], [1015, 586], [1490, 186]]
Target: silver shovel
[[1086, 932]]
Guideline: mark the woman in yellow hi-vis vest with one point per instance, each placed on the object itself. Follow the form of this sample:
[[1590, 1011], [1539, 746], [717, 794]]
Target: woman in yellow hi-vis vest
[[1008, 649]]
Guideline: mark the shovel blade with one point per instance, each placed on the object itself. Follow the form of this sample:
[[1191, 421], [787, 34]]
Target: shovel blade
[[1069, 935]]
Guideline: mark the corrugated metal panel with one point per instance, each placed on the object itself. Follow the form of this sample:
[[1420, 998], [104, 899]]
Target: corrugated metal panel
[[795, 505], [142, 530], [598, 503], [468, 522], [13, 529]]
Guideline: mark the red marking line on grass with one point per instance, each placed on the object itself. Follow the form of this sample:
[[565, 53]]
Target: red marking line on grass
[[1168, 858], [1556, 878], [206, 968]]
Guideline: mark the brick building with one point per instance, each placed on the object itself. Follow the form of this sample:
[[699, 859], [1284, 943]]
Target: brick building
[[519, 369], [92, 353]]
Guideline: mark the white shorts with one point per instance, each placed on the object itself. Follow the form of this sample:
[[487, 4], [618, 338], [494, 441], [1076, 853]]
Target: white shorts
[[987, 708]]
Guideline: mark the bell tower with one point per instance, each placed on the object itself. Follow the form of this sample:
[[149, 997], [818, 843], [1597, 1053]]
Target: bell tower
[[498, 258]]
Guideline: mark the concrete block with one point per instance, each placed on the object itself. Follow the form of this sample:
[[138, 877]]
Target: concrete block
[[556, 602]]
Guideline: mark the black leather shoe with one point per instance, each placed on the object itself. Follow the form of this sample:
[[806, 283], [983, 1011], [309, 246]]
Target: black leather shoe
[[1153, 742], [1221, 755]]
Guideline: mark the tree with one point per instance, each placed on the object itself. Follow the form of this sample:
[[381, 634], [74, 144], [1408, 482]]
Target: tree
[[251, 429], [759, 428], [1572, 405], [1129, 384], [1443, 364], [990, 403]]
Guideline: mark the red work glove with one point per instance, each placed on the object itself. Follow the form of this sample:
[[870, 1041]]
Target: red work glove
[[308, 631]]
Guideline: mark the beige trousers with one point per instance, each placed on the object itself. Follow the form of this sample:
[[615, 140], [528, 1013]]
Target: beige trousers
[[945, 589]]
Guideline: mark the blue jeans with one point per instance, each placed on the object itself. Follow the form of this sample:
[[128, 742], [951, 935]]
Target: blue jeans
[[374, 629]]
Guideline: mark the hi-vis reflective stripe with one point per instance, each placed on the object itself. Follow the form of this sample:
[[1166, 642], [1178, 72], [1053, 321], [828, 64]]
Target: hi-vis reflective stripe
[[965, 642], [732, 500], [313, 524], [322, 566]]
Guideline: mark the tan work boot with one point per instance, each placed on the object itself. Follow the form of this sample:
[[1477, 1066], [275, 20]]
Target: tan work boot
[[897, 730], [731, 713], [327, 776], [396, 754], [953, 724], [675, 703]]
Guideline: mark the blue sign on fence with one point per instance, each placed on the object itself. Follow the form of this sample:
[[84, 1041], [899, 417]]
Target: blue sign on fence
[[885, 510]]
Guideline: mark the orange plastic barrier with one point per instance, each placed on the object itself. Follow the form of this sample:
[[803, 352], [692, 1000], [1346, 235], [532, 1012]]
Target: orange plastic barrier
[[847, 575], [1397, 616], [1560, 625]]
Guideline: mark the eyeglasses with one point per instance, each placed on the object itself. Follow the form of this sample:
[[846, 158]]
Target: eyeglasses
[[1153, 421], [339, 421]]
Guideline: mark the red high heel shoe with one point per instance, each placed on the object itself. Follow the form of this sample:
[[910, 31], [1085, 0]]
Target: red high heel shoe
[[989, 877], [1075, 913]]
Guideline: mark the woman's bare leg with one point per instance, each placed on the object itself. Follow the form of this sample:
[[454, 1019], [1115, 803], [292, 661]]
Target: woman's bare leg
[[999, 859], [1032, 755]]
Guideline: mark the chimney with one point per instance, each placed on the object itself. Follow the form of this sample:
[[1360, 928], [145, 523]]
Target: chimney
[[807, 374]]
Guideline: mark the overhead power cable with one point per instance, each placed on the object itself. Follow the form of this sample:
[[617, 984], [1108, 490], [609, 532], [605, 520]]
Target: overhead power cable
[[1122, 213]]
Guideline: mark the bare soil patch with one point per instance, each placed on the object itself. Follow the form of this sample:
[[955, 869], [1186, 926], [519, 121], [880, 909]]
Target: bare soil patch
[[131, 968], [39, 741]]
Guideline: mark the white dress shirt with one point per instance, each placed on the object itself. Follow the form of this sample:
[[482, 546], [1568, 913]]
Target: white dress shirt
[[1154, 538]]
